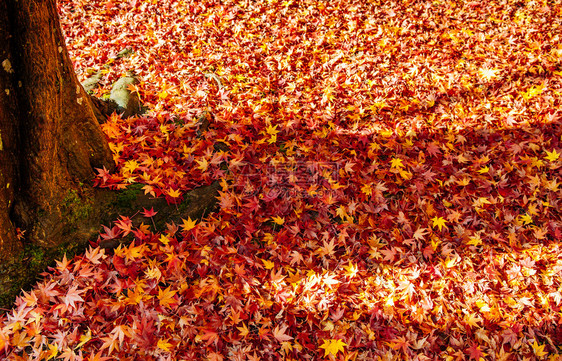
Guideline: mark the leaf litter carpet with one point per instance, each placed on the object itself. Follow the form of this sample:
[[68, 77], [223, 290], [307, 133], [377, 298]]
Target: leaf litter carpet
[[389, 185]]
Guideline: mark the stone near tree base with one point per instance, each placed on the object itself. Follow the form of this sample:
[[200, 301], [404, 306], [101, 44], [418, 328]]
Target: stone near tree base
[[90, 83], [127, 101], [121, 99]]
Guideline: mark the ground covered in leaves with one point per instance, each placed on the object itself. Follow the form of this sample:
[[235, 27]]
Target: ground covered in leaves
[[389, 185]]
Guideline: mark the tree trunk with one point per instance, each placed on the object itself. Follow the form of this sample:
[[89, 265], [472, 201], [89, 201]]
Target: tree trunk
[[50, 144], [50, 140]]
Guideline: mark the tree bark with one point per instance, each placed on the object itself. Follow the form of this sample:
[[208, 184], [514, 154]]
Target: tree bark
[[50, 145], [50, 140]]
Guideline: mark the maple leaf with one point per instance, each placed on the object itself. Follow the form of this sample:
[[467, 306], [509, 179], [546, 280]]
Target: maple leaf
[[125, 225], [130, 166], [279, 333], [538, 350], [268, 264], [131, 252], [552, 156], [367, 189], [526, 219], [203, 164], [174, 193], [332, 347], [209, 336], [95, 255], [472, 320], [63, 264], [68, 355], [188, 224], [475, 353], [400, 343], [272, 131], [166, 296], [243, 330], [84, 339], [349, 167], [475, 240], [439, 222], [116, 337], [328, 95], [111, 233], [488, 74], [389, 254], [396, 163], [98, 357], [149, 213], [213, 356], [484, 169], [52, 353], [72, 296], [164, 345], [296, 257], [278, 220], [420, 234], [351, 269], [327, 248], [148, 189]]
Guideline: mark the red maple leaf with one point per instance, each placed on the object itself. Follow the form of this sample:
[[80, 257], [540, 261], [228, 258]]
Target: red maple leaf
[[474, 352]]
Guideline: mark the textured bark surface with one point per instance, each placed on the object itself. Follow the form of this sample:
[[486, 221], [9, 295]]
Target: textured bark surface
[[55, 139], [8, 136], [50, 145]]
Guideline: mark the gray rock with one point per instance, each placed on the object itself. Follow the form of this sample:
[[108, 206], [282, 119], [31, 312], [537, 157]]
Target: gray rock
[[90, 83], [128, 102]]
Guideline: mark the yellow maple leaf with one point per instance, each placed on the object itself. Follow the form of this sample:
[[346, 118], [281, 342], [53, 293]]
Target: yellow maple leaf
[[174, 193], [341, 212], [396, 163], [483, 306], [134, 297], [132, 252], [84, 338], [203, 164], [532, 92], [450, 262], [366, 189], [472, 320], [332, 347], [243, 330], [130, 166], [351, 269], [164, 239], [526, 218], [278, 220], [188, 224], [268, 264], [53, 351], [166, 296], [164, 345], [406, 175], [439, 222], [484, 170], [538, 349], [272, 131], [552, 156], [475, 241]]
